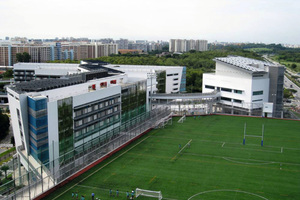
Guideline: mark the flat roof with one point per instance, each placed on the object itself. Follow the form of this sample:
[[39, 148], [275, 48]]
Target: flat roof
[[48, 84], [245, 63]]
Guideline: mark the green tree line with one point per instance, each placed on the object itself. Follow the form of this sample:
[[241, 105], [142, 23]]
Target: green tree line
[[196, 63]]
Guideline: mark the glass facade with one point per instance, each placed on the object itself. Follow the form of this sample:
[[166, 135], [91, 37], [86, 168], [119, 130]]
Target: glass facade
[[133, 100], [161, 81], [38, 128], [65, 128], [183, 80]]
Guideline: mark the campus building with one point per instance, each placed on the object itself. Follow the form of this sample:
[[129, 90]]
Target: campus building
[[59, 111], [246, 84]]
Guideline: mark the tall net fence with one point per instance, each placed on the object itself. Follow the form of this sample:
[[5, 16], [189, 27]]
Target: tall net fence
[[27, 184]]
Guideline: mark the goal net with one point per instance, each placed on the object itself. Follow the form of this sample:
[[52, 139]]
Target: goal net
[[148, 193]]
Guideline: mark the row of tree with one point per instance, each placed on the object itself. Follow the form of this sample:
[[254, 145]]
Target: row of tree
[[4, 125], [196, 63]]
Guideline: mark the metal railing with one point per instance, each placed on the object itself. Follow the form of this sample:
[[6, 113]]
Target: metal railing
[[36, 186]]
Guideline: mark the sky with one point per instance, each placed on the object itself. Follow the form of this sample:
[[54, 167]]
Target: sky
[[267, 21]]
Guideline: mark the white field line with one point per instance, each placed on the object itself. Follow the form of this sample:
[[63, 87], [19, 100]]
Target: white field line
[[101, 168], [223, 144], [252, 149], [226, 190], [107, 190], [185, 146], [234, 158], [281, 149], [247, 163], [296, 149]]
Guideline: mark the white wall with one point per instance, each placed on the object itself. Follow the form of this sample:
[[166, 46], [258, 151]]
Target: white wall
[[53, 138], [232, 77], [170, 87]]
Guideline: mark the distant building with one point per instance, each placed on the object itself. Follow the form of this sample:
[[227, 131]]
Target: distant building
[[57, 51], [130, 51], [179, 45], [123, 43]]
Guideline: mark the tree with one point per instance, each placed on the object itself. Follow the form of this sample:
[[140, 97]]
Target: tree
[[8, 73], [23, 57], [293, 66], [4, 125], [5, 168]]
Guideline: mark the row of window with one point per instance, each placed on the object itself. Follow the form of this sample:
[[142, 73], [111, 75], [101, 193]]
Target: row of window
[[229, 99], [176, 74], [96, 116], [224, 89], [258, 92], [97, 106], [95, 127]]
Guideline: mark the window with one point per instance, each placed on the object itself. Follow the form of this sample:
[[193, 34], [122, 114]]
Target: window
[[101, 105], [225, 99], [237, 101], [176, 74], [260, 75], [226, 89], [169, 74], [78, 113], [116, 108], [210, 87], [96, 107], [256, 100], [175, 79], [258, 92], [238, 91], [175, 84]]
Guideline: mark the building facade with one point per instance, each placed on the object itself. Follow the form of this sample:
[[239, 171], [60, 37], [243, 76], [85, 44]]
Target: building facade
[[59, 111], [245, 84]]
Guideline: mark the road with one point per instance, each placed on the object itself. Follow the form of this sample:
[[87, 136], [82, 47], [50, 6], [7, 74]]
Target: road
[[288, 83]]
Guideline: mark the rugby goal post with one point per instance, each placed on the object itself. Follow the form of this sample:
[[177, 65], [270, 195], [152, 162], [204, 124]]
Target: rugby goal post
[[148, 193]]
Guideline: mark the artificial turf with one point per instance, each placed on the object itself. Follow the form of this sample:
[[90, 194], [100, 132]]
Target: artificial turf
[[216, 165]]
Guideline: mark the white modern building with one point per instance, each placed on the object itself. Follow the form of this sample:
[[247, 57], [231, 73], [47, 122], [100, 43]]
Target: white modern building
[[170, 79], [246, 83], [79, 106]]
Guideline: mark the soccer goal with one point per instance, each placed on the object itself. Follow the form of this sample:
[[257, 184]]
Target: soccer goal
[[148, 193], [182, 119]]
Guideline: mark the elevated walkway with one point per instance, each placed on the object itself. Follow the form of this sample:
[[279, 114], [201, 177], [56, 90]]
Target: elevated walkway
[[186, 96]]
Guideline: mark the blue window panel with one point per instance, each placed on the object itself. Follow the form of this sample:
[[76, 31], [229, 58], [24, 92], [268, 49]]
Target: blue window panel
[[44, 146], [38, 122], [37, 105], [39, 131], [40, 140]]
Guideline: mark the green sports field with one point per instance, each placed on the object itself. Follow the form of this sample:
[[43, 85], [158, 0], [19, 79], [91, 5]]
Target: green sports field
[[216, 165]]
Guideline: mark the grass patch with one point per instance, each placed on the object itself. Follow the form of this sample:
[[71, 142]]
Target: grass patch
[[215, 166], [7, 152]]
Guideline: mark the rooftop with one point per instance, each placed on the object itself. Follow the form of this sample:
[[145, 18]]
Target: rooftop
[[48, 84], [245, 63]]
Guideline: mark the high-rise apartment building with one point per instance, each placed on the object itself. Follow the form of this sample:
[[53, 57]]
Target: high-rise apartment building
[[57, 51], [123, 43], [182, 45]]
